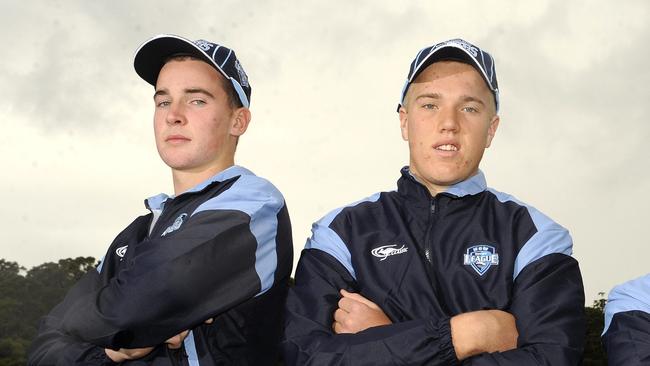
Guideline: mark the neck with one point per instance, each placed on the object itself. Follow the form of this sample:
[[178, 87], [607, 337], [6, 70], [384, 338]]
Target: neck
[[184, 180]]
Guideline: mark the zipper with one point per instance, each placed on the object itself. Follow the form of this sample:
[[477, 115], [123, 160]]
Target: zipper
[[427, 245]]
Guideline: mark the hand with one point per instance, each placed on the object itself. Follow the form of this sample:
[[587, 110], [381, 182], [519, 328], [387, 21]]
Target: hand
[[176, 341], [125, 354], [483, 331], [356, 313]]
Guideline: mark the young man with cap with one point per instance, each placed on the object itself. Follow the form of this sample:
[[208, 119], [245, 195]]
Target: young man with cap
[[445, 269], [219, 248], [627, 323]]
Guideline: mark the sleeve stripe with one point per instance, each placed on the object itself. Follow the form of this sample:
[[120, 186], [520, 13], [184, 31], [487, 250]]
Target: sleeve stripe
[[100, 265], [325, 239], [630, 296], [550, 237], [190, 349], [262, 202]]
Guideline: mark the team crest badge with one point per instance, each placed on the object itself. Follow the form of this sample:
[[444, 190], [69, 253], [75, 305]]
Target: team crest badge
[[481, 258], [176, 225]]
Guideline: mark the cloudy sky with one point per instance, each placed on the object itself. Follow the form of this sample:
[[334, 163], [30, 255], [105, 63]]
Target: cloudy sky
[[78, 155]]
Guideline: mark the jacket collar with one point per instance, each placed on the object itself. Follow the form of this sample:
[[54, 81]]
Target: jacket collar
[[410, 185], [157, 202]]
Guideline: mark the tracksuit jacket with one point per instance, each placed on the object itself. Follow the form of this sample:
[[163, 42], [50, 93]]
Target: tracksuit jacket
[[222, 250], [627, 323], [424, 259]]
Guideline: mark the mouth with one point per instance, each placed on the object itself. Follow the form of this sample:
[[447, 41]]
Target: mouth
[[446, 147], [176, 139]]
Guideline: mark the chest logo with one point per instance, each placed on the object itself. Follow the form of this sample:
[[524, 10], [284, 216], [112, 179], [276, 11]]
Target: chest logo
[[386, 251], [481, 258], [121, 251], [176, 225]]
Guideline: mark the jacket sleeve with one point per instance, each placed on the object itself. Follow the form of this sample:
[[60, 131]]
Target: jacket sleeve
[[310, 340], [53, 347], [548, 305], [627, 323], [547, 299], [222, 255]]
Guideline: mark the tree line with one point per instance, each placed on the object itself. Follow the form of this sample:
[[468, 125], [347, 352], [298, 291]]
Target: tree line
[[27, 295]]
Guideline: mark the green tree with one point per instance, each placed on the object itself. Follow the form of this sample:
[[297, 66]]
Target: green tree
[[25, 297], [594, 354]]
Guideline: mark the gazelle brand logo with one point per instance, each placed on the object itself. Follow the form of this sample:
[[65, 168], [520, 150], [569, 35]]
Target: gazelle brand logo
[[176, 225], [121, 251], [481, 257], [386, 251]]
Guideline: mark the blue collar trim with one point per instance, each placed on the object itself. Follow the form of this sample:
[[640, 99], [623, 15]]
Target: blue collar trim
[[157, 202]]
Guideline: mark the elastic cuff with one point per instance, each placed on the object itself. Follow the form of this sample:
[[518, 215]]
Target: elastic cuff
[[99, 357], [442, 327]]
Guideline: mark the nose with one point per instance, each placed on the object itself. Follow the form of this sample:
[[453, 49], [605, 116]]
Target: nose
[[176, 114], [448, 120]]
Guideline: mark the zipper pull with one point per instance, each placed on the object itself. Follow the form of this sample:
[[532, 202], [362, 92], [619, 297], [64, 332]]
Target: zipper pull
[[427, 255], [433, 206]]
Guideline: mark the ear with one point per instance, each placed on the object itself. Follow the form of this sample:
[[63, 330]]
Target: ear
[[492, 130], [241, 117], [403, 123]]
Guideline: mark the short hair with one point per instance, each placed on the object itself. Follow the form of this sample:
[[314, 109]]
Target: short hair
[[233, 99]]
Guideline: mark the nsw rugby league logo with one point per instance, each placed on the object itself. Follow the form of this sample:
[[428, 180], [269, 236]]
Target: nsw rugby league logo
[[481, 257]]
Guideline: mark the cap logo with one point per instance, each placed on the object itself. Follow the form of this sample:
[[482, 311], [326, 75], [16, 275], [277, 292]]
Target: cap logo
[[243, 78], [204, 45], [468, 47]]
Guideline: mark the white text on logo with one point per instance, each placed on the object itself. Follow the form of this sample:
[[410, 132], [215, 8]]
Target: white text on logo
[[386, 251]]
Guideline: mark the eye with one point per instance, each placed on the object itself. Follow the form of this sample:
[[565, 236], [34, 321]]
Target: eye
[[470, 109], [162, 103], [429, 106], [198, 102]]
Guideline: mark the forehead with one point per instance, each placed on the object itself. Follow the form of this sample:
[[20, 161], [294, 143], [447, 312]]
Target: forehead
[[445, 69], [450, 78], [189, 71]]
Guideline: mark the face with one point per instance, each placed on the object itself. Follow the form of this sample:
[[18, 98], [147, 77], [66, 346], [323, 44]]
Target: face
[[195, 128], [448, 119]]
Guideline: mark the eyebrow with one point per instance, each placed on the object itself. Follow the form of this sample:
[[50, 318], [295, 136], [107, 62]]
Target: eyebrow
[[464, 98], [469, 98], [164, 92], [429, 95]]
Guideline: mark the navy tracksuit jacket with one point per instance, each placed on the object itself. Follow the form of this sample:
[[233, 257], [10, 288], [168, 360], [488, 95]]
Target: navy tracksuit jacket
[[424, 259], [222, 250], [627, 323]]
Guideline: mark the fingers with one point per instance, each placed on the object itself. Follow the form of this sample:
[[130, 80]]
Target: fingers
[[355, 313], [176, 341], [209, 321], [359, 298], [338, 328], [127, 354], [352, 302], [341, 318]]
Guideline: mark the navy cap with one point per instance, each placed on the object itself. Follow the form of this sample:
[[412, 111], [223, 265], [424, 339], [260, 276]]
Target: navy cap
[[456, 50], [151, 55]]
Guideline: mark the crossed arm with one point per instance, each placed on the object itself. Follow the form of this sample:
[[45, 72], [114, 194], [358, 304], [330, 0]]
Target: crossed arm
[[116, 314], [324, 329], [472, 333]]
